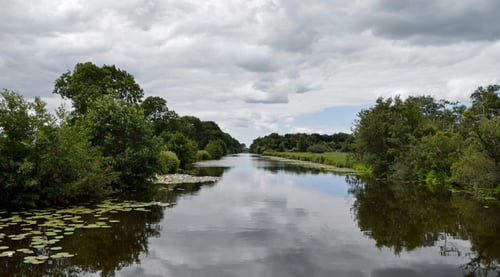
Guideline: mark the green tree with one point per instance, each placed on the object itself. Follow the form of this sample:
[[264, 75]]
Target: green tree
[[387, 131], [216, 149], [118, 128], [184, 148], [479, 167], [372, 133], [21, 123], [429, 160], [486, 102], [70, 169], [155, 108], [88, 82], [42, 163]]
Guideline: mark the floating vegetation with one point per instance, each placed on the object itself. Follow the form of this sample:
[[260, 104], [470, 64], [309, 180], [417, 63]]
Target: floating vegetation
[[62, 255], [36, 232], [7, 254]]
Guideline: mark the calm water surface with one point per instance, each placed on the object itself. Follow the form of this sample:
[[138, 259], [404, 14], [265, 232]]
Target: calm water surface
[[266, 218]]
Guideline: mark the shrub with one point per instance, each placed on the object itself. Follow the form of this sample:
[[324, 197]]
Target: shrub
[[321, 147], [216, 148], [203, 155], [168, 162]]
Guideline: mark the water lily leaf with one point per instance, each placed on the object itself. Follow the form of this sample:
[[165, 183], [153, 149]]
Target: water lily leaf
[[25, 251], [7, 253], [62, 255]]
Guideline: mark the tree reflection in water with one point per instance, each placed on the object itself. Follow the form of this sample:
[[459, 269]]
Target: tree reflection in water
[[105, 250], [404, 217]]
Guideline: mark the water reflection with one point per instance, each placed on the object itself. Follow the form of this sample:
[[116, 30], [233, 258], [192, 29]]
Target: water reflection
[[101, 251], [266, 218], [403, 217]]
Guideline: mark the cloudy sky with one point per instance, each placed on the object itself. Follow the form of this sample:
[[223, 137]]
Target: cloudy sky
[[258, 66]]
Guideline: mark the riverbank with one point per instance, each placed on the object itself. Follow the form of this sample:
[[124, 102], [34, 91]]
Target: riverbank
[[333, 162]]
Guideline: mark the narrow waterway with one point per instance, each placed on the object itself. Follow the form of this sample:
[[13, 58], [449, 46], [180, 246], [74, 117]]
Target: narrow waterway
[[267, 218]]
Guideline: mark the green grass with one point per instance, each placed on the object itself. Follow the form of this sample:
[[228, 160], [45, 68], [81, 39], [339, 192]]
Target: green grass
[[338, 159]]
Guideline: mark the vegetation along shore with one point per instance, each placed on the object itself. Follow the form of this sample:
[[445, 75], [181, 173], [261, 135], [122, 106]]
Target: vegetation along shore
[[111, 141], [438, 144]]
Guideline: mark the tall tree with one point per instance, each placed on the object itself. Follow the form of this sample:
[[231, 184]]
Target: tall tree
[[88, 82]]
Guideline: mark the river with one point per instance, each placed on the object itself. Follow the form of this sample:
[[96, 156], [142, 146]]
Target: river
[[262, 218]]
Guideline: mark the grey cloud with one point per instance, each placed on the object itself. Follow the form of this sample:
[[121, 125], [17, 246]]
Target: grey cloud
[[296, 26], [265, 83], [267, 98], [433, 21], [258, 65], [303, 89], [236, 55]]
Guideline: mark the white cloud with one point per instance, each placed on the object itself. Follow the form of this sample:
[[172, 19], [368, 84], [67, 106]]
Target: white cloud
[[254, 66]]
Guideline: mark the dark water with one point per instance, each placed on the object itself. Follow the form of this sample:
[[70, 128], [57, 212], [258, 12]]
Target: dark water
[[265, 218]]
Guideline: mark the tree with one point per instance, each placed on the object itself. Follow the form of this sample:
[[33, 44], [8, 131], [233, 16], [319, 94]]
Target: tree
[[69, 168], [155, 108], [372, 132], [119, 130], [386, 131], [486, 102], [88, 82], [21, 122], [429, 160], [184, 148], [216, 149], [42, 163]]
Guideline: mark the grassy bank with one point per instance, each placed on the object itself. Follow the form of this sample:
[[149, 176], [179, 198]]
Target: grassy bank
[[335, 159]]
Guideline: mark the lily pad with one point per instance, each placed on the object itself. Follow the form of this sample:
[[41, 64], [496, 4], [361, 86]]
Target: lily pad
[[62, 255], [7, 253], [34, 261], [25, 250]]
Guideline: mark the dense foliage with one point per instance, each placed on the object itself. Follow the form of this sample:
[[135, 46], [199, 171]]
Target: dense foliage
[[434, 142], [111, 141], [315, 143]]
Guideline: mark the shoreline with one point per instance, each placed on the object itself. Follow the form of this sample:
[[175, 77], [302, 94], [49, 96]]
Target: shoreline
[[313, 165]]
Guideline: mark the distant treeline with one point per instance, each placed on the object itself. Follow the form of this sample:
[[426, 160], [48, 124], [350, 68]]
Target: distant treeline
[[301, 142], [112, 140]]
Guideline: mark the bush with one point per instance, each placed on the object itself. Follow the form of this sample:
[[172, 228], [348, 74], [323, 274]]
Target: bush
[[184, 148], [203, 155], [168, 162], [216, 148], [321, 147]]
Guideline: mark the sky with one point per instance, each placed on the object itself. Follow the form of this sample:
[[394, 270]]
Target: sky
[[258, 66]]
